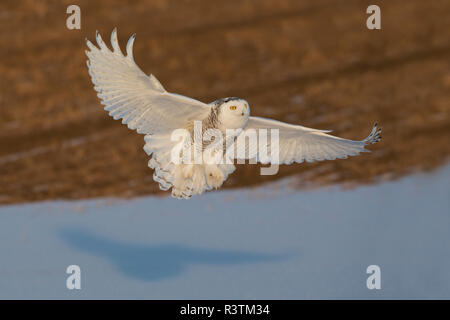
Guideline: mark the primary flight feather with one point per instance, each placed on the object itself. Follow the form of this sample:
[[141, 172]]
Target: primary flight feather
[[144, 105]]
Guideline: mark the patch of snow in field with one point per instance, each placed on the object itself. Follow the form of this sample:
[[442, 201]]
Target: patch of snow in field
[[241, 244]]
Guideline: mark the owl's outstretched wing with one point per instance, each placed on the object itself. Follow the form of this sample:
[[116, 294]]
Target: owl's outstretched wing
[[298, 144], [129, 94]]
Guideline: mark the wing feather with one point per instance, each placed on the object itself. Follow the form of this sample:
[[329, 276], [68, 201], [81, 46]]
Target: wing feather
[[129, 94], [298, 143]]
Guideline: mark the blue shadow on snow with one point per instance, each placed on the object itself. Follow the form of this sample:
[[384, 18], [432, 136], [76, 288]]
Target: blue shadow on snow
[[159, 261]]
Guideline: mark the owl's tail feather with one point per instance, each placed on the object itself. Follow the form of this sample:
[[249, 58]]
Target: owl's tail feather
[[189, 180], [185, 180]]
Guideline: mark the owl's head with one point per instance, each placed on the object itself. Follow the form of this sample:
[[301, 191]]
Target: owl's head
[[232, 113]]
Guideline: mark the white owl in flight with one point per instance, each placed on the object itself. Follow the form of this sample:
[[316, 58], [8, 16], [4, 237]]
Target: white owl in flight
[[144, 105]]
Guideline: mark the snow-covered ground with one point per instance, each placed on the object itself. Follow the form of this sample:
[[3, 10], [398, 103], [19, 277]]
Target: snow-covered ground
[[240, 244]]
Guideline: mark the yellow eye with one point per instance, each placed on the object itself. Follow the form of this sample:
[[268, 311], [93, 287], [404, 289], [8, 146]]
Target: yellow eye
[[233, 108]]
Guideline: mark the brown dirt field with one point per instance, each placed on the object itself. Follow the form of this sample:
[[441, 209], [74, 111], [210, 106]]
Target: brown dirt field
[[308, 62]]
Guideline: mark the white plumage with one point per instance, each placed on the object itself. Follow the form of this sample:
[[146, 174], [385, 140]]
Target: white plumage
[[144, 105], [298, 144]]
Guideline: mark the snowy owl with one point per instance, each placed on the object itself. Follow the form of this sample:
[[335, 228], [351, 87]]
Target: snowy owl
[[144, 105]]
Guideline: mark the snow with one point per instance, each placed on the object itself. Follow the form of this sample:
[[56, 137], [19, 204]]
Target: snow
[[239, 244]]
